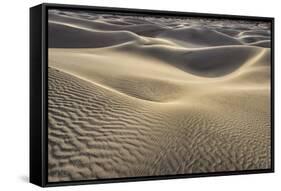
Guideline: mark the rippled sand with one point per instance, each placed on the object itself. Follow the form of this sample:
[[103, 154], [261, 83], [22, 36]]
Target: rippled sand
[[141, 96]]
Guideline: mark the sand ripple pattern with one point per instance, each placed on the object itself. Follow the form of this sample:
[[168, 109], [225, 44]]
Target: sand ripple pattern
[[95, 133]]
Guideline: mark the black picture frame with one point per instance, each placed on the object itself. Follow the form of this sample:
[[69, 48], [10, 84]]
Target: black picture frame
[[39, 96]]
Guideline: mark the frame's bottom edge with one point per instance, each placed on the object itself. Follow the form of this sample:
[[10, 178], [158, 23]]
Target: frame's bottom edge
[[153, 178]]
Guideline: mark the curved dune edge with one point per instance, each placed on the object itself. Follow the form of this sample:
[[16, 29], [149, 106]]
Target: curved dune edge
[[83, 37], [144, 89], [156, 81], [208, 63], [95, 133]]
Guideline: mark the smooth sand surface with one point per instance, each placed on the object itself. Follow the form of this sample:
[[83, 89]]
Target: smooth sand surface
[[142, 96]]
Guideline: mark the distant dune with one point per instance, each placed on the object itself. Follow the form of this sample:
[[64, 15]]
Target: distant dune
[[199, 37], [82, 38], [145, 96]]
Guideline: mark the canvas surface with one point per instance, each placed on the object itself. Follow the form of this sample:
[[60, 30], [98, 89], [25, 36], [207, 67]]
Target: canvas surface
[[133, 96]]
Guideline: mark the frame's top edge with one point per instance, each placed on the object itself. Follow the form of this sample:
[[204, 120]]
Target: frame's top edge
[[156, 12], [38, 5]]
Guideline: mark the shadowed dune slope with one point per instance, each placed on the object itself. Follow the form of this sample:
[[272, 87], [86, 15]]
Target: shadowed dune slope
[[199, 37], [83, 38], [207, 62]]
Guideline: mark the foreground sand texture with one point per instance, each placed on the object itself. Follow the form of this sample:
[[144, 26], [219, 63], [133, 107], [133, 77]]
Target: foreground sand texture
[[141, 96]]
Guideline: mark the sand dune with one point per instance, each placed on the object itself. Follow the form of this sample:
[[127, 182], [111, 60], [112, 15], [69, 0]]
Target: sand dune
[[262, 43], [118, 140], [83, 37], [199, 37], [184, 34], [229, 31], [252, 39], [143, 28], [208, 62], [144, 96], [255, 32], [201, 62]]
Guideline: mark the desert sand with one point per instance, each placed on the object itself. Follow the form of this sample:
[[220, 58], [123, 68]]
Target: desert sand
[[134, 96]]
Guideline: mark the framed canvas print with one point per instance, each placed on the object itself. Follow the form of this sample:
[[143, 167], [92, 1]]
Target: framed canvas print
[[127, 94]]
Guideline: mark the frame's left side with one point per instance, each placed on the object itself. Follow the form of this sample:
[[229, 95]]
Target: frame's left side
[[36, 144]]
